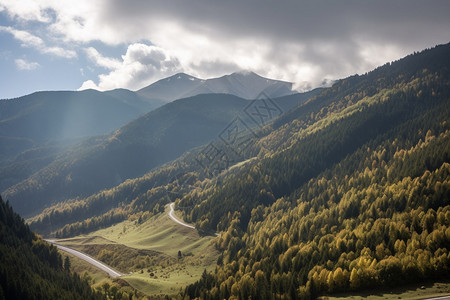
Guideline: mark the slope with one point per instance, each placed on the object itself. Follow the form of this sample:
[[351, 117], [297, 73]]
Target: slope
[[357, 198], [103, 162], [314, 136], [99, 205], [36, 127], [59, 116], [32, 269]]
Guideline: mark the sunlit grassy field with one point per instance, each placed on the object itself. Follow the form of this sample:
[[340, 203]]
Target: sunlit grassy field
[[161, 271]]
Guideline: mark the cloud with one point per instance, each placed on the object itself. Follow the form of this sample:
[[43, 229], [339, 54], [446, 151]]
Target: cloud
[[25, 65], [301, 41], [102, 61], [140, 66], [28, 10], [29, 40]]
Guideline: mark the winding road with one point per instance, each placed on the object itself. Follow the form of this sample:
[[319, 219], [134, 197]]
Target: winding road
[[172, 216], [98, 264]]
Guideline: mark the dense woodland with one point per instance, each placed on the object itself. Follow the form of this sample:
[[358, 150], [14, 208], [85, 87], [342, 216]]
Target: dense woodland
[[361, 204], [347, 191], [30, 268]]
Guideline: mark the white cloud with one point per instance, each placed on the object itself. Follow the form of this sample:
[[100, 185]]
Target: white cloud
[[102, 61], [29, 40], [141, 65], [25, 65], [29, 10], [88, 84]]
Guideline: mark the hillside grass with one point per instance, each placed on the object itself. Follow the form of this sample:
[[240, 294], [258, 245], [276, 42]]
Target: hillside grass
[[168, 281], [163, 273]]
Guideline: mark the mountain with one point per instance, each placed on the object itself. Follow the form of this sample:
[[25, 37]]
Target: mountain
[[34, 129], [246, 85], [346, 191], [145, 143], [56, 117], [171, 88], [30, 268]]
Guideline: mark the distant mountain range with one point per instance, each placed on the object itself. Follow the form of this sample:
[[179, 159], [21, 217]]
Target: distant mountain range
[[61, 116], [36, 128], [246, 85], [43, 135]]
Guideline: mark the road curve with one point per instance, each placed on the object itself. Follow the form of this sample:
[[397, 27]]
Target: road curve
[[172, 216], [98, 264]]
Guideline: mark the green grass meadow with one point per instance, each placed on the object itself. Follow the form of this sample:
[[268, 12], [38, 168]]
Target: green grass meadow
[[164, 272]]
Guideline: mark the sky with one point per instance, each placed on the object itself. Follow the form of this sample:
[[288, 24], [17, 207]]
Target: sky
[[108, 44]]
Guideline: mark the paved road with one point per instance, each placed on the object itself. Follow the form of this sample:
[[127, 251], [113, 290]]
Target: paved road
[[172, 216], [98, 264], [439, 298], [175, 219]]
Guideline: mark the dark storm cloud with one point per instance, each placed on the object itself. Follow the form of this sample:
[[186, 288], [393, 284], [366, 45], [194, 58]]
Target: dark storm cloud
[[402, 21]]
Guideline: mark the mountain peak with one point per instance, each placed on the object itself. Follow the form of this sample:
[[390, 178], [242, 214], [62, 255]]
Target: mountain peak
[[244, 73], [181, 76], [244, 84]]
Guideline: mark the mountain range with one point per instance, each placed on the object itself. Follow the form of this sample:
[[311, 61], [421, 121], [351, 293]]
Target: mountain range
[[55, 118], [246, 85], [48, 155]]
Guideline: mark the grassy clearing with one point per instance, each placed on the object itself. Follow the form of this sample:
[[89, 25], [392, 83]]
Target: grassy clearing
[[430, 290], [151, 251], [167, 280], [159, 233]]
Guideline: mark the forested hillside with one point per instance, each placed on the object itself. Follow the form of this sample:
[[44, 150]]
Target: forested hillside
[[133, 150], [359, 198], [30, 268], [192, 119]]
